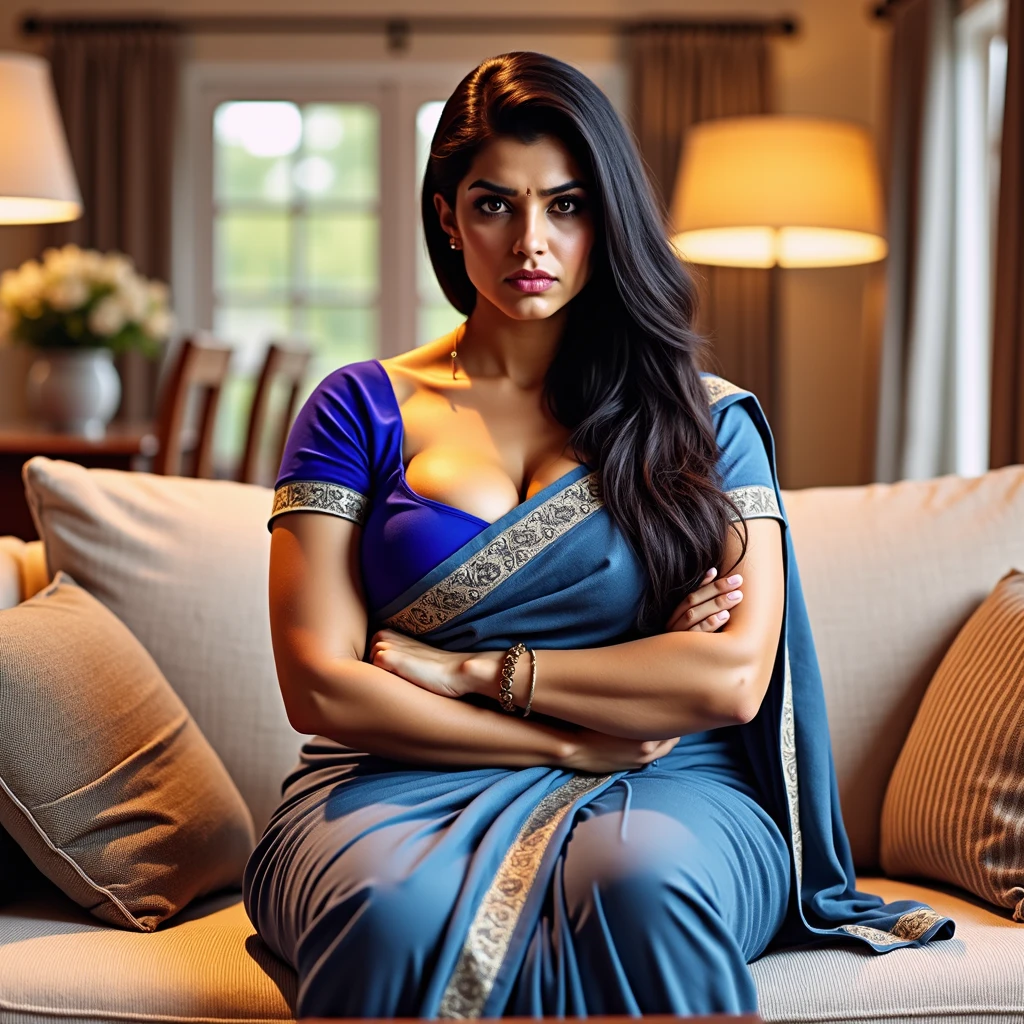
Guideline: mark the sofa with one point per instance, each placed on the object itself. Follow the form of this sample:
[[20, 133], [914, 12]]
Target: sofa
[[890, 574]]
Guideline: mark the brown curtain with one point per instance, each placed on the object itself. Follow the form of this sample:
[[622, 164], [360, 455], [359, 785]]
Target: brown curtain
[[1006, 443], [117, 91], [680, 75]]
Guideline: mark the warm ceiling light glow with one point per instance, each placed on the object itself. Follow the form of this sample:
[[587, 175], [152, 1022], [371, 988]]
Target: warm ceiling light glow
[[37, 181], [756, 191]]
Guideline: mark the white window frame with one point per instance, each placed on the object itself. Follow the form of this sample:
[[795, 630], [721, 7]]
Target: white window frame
[[976, 203], [397, 89]]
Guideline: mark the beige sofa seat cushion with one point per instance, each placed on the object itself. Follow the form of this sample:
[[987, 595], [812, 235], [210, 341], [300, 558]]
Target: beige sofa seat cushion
[[973, 977], [890, 574], [206, 964], [184, 564]]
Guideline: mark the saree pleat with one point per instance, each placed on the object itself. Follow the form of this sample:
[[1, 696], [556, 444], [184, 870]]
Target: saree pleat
[[398, 890]]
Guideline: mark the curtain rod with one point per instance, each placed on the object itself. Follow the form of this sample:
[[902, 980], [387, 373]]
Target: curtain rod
[[396, 27]]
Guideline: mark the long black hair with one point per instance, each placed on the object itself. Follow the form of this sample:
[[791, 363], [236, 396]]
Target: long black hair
[[625, 377]]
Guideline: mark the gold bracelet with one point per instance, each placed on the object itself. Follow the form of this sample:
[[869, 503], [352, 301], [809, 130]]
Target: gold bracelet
[[508, 669], [533, 680]]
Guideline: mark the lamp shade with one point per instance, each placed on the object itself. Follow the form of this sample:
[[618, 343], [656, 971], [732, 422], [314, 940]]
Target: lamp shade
[[37, 180], [797, 191]]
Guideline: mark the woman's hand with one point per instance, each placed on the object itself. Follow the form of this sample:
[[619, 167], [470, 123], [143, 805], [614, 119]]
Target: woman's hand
[[436, 670], [707, 608], [597, 752]]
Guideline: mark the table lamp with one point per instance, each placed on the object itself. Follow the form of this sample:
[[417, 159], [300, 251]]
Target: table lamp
[[778, 190], [37, 180]]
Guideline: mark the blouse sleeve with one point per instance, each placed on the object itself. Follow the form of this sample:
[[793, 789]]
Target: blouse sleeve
[[744, 464], [326, 462]]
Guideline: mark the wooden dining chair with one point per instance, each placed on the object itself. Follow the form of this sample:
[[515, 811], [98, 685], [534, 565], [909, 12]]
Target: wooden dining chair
[[200, 369], [284, 364]]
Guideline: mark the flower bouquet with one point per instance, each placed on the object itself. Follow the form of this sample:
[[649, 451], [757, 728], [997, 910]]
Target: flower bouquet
[[77, 308]]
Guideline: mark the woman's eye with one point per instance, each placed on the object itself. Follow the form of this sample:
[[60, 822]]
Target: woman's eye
[[567, 205], [491, 205]]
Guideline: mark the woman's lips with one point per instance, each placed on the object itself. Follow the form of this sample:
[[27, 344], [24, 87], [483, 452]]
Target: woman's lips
[[531, 285]]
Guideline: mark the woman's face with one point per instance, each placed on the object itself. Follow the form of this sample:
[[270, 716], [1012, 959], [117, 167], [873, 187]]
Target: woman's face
[[523, 207]]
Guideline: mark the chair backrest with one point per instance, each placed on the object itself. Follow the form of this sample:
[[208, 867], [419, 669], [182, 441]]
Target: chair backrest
[[285, 364], [204, 366]]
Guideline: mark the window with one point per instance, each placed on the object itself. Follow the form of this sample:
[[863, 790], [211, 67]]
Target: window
[[980, 88]]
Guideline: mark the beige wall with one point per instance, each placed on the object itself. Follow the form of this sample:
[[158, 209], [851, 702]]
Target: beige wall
[[834, 67]]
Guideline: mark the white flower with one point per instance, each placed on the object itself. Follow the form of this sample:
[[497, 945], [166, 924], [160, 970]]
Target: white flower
[[113, 269], [90, 264], [132, 295], [158, 324], [107, 317], [28, 285], [66, 293]]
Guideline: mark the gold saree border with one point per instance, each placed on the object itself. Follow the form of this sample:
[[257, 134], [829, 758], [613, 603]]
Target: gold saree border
[[500, 558], [320, 496], [498, 914]]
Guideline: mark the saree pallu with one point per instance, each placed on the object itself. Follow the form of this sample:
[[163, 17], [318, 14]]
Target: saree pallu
[[399, 890]]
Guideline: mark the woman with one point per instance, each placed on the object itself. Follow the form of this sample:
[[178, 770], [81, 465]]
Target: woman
[[547, 777]]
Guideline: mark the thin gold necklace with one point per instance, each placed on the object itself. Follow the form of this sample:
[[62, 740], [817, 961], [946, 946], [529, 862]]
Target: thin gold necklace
[[455, 347]]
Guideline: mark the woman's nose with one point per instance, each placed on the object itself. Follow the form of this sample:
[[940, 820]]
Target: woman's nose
[[533, 237]]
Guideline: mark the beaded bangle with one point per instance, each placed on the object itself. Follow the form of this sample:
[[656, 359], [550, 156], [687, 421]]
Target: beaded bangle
[[533, 680], [508, 669]]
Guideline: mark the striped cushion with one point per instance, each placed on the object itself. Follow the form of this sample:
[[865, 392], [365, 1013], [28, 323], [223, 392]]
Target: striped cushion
[[954, 806]]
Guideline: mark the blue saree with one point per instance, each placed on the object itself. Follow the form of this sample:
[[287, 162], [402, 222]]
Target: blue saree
[[396, 889]]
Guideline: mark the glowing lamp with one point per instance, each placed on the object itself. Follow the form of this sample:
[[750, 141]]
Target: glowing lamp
[[767, 190], [37, 180]]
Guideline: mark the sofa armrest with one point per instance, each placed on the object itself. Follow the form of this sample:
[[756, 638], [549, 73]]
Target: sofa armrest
[[23, 570]]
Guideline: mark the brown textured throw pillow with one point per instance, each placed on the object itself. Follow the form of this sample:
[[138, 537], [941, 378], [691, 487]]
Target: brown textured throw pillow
[[106, 782], [954, 807]]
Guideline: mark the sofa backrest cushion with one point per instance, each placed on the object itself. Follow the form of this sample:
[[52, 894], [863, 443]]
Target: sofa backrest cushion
[[184, 564], [890, 573]]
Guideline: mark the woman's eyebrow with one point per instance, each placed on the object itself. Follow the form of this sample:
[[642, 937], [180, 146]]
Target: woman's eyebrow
[[504, 190]]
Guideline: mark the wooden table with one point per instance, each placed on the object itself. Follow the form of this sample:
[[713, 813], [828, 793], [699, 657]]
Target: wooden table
[[124, 446]]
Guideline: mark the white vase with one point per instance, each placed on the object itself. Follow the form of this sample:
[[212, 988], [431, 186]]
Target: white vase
[[76, 391]]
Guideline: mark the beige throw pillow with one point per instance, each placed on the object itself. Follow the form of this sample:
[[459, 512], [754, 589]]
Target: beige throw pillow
[[954, 807], [105, 780]]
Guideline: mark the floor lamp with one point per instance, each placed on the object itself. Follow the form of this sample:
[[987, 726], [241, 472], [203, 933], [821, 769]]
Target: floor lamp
[[778, 191]]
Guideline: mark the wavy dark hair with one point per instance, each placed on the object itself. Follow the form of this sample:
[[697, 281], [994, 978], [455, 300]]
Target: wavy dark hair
[[624, 377]]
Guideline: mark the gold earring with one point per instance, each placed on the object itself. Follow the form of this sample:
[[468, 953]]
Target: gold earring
[[453, 242], [455, 348]]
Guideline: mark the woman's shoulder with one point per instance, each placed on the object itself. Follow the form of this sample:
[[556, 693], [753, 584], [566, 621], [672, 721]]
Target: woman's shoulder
[[721, 392]]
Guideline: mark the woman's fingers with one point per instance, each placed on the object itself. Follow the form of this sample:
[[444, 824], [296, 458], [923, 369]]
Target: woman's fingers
[[707, 607]]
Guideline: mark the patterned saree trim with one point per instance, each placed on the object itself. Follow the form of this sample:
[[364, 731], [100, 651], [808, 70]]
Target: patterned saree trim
[[320, 496], [508, 552], [719, 387], [498, 914], [787, 745], [755, 501]]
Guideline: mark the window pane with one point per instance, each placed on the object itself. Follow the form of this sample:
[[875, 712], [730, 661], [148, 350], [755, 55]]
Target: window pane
[[435, 315], [253, 143], [341, 252], [340, 147], [251, 251], [340, 335], [433, 321]]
